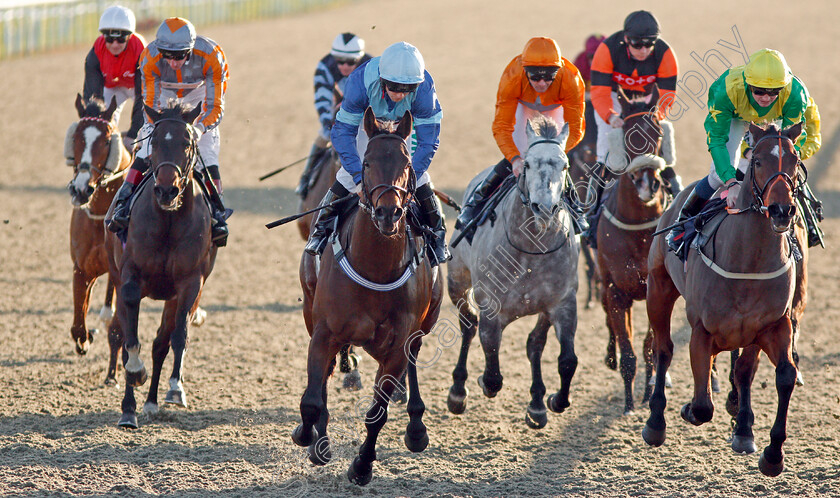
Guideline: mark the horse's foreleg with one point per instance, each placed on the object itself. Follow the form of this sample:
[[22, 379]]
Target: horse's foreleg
[[320, 361], [647, 353], [387, 378], [611, 358], [661, 296], [776, 343], [490, 333], [620, 318], [592, 281], [536, 416], [160, 348], [457, 399], [82, 285], [416, 436], [129, 404], [320, 452], [106, 313], [128, 309], [743, 373], [565, 327], [700, 409]]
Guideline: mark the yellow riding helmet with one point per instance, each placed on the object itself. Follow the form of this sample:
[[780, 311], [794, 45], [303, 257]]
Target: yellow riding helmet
[[767, 68]]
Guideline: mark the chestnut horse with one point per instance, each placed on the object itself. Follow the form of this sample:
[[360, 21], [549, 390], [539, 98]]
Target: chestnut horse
[[372, 288], [741, 291], [100, 161], [632, 205], [167, 256]]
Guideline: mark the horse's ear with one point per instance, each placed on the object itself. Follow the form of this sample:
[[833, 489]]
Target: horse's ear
[[622, 97], [404, 128], [793, 131], [111, 108], [80, 108], [529, 131], [652, 94], [564, 135], [757, 132], [370, 122], [191, 115], [153, 114]]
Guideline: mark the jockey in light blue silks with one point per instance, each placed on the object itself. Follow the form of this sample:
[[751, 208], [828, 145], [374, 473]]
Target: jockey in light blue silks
[[390, 84]]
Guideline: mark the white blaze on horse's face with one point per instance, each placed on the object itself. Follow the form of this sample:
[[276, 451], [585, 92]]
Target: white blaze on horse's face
[[90, 134]]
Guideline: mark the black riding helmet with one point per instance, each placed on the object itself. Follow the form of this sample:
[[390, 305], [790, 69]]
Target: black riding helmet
[[641, 24]]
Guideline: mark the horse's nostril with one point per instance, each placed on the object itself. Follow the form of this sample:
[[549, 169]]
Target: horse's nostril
[[535, 207], [398, 212], [379, 213], [555, 208]]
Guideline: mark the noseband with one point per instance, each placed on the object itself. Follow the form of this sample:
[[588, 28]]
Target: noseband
[[405, 194], [183, 171], [793, 187]]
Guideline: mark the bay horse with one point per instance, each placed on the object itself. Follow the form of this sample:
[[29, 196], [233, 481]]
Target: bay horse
[[100, 161], [632, 206], [743, 290], [167, 256], [372, 288], [523, 264]]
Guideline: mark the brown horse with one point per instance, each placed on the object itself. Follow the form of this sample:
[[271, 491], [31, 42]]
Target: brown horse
[[167, 255], [372, 288], [740, 292], [100, 161], [633, 204]]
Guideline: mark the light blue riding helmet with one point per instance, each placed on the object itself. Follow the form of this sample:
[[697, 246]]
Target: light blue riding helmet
[[402, 63]]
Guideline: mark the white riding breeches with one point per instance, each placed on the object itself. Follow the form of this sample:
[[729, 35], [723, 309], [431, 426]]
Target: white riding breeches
[[736, 135], [122, 94], [603, 143]]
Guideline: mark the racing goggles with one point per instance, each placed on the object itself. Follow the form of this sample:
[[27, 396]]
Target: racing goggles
[[760, 92], [638, 42], [174, 55], [346, 62], [115, 35], [399, 87], [541, 73]]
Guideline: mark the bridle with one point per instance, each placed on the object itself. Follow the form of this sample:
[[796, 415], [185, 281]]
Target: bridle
[[183, 170], [759, 203], [522, 185], [405, 194]]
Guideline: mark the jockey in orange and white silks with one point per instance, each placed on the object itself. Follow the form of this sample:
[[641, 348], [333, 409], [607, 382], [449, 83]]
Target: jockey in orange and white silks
[[181, 66]]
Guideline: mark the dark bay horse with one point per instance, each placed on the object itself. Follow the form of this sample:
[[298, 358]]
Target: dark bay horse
[[633, 204], [524, 264], [371, 288], [100, 161], [167, 256], [743, 290]]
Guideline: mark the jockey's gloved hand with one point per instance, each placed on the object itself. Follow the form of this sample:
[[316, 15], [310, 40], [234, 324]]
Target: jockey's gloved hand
[[518, 164], [200, 129], [734, 189], [616, 121]]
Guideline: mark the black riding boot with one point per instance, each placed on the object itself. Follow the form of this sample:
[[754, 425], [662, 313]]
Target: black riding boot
[[315, 155], [691, 207], [122, 205], [812, 213], [433, 217], [325, 222], [219, 229], [593, 213], [576, 210], [674, 181], [482, 192]]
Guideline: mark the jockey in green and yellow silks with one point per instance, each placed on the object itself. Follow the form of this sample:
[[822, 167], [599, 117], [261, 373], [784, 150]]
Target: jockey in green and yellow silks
[[763, 91]]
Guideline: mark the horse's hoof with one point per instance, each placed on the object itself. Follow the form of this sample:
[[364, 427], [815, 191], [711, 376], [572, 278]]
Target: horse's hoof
[[686, 414], [555, 405], [743, 445], [352, 381], [610, 361], [653, 437], [629, 411], [176, 398], [92, 334], [485, 389], [399, 396], [536, 419], [800, 380], [320, 453], [667, 379], [136, 379], [151, 409], [457, 403], [304, 439], [360, 473], [111, 382], [770, 469], [715, 385], [417, 442], [199, 317], [128, 421], [82, 347]]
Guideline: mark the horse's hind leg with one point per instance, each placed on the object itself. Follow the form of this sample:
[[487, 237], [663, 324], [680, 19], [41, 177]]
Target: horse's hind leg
[[565, 327], [661, 296], [620, 319], [457, 399], [387, 378], [82, 285], [178, 337], [536, 416], [115, 343], [742, 377], [106, 313], [160, 348], [732, 397], [349, 366], [611, 358], [700, 409], [776, 343]]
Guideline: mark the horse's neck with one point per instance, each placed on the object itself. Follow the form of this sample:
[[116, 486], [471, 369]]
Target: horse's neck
[[627, 204], [102, 196], [374, 255]]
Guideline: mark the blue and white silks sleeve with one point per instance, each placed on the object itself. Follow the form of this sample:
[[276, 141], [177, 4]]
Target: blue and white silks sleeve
[[427, 114], [347, 121]]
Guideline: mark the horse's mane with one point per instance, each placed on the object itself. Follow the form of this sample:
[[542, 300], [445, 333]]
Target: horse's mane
[[544, 126], [385, 126], [175, 109], [771, 129], [94, 107]]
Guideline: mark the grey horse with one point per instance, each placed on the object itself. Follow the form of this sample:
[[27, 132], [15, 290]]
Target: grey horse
[[524, 263]]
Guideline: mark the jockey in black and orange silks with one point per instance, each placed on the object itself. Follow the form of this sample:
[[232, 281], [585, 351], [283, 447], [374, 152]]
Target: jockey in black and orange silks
[[181, 66]]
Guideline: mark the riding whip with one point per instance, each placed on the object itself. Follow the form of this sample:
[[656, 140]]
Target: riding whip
[[287, 219]]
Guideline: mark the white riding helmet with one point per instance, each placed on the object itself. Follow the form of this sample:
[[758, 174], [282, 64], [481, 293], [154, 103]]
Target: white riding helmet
[[402, 63], [175, 34], [347, 46], [117, 17]]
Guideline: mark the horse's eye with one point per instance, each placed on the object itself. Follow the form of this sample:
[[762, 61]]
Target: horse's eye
[[365, 164], [757, 163], [526, 165]]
